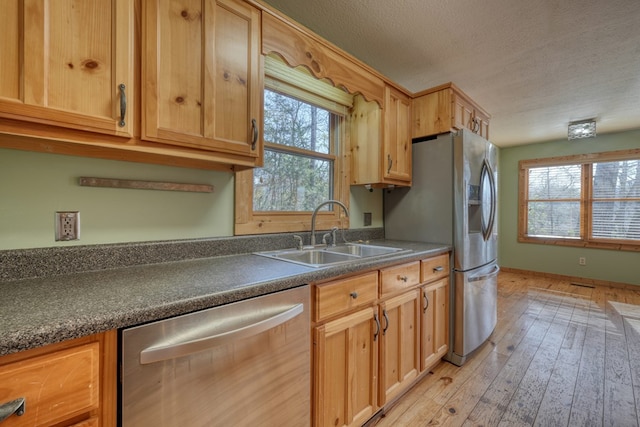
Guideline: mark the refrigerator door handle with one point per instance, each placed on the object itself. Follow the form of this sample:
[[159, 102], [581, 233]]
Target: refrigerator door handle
[[486, 177], [493, 272]]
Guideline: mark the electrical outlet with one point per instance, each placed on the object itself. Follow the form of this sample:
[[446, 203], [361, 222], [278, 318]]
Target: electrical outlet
[[367, 219], [582, 261], [67, 226]]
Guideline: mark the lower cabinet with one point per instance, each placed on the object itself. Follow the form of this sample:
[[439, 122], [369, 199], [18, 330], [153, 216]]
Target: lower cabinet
[[434, 326], [68, 384], [399, 344], [345, 369], [374, 335]]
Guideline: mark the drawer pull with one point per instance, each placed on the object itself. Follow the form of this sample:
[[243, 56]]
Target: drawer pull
[[438, 268], [386, 322], [426, 302], [403, 278], [377, 332], [13, 407], [353, 295]]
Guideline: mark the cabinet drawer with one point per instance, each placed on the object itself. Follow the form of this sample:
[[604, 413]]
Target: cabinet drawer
[[55, 386], [398, 278], [435, 268], [341, 295]]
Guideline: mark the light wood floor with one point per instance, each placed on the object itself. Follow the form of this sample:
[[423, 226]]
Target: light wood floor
[[561, 355]]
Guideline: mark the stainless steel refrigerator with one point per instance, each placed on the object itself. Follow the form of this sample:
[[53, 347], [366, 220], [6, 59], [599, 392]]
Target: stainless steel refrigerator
[[453, 200]]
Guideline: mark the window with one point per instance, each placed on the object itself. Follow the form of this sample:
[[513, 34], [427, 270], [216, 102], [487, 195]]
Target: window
[[585, 200], [299, 155], [304, 134]]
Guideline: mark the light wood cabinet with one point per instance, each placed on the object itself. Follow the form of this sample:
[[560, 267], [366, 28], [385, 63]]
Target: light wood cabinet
[[399, 278], [434, 318], [68, 384], [68, 63], [445, 108], [340, 296], [434, 268], [434, 327], [399, 344], [374, 335], [345, 369], [345, 340], [397, 136], [202, 75], [381, 140]]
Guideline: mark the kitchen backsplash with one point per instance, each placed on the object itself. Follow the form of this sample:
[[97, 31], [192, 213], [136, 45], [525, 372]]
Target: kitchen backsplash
[[43, 262]]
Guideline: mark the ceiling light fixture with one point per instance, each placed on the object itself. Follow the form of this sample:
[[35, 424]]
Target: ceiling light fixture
[[582, 129]]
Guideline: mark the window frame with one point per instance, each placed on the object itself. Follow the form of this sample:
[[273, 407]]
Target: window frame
[[585, 161], [296, 83]]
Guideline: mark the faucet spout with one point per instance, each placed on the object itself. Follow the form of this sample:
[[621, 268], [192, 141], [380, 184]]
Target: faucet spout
[[315, 212]]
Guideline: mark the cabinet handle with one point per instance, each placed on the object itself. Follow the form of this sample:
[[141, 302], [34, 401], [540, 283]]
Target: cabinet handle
[[386, 321], [377, 332], [254, 129], [403, 278], [437, 269], [123, 105], [353, 295], [476, 125], [426, 302], [390, 161], [13, 407]]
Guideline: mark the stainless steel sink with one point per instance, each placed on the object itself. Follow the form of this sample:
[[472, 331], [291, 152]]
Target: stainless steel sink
[[325, 256], [363, 250]]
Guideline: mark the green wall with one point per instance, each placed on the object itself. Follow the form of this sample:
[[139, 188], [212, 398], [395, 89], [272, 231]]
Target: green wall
[[35, 185], [617, 266]]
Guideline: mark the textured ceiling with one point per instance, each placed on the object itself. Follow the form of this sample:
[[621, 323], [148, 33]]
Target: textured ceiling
[[533, 65]]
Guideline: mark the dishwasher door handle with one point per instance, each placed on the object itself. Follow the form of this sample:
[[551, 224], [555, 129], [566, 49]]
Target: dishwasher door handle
[[173, 347]]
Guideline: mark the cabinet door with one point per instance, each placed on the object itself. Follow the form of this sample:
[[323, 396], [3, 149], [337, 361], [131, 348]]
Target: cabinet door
[[431, 113], [365, 130], [462, 113], [68, 63], [467, 115], [397, 136], [399, 345], [482, 124], [202, 75], [435, 323], [346, 364]]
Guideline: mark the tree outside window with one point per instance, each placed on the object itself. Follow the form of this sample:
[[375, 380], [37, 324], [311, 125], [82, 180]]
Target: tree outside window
[[299, 160]]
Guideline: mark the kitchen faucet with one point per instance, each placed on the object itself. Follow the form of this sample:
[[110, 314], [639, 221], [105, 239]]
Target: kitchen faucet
[[315, 212]]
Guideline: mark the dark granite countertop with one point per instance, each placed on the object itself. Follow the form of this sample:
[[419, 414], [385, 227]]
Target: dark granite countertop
[[45, 310]]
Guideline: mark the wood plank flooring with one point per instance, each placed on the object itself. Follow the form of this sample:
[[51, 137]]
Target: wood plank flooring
[[562, 354]]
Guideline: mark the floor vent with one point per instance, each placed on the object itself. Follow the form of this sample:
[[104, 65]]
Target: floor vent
[[582, 285]]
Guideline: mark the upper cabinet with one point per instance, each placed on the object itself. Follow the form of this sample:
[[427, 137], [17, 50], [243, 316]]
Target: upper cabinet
[[78, 79], [445, 108], [381, 141], [397, 136], [68, 63], [202, 75]]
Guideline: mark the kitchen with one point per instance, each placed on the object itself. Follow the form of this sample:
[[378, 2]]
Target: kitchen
[[119, 216]]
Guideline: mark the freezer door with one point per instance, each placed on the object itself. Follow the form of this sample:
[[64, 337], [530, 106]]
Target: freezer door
[[475, 199], [475, 309]]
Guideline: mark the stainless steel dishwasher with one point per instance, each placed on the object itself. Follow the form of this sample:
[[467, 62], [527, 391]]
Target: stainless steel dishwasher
[[241, 364]]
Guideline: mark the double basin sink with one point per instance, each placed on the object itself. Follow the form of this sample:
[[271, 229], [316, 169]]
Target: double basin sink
[[332, 255]]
